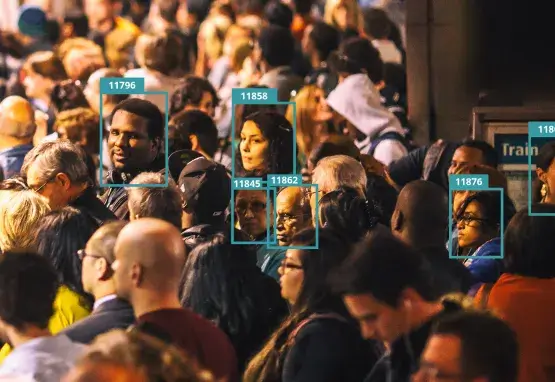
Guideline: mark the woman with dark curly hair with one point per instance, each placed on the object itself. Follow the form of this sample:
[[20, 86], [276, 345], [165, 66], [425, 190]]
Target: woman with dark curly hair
[[266, 146]]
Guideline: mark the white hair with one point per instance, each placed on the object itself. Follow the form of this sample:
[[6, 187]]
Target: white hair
[[338, 171]]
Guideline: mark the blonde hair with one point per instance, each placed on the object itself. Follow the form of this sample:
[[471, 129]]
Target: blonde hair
[[141, 352], [306, 126], [79, 43], [334, 172], [20, 213], [240, 50], [119, 44], [354, 15], [214, 30]]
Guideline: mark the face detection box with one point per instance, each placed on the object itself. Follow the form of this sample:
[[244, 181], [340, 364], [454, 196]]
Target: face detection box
[[131, 86]]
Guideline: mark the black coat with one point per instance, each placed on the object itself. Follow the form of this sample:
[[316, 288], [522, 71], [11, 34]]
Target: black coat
[[112, 314]]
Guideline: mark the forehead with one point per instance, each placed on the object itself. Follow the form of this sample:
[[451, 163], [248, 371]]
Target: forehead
[[33, 173], [294, 255], [442, 349], [365, 304], [252, 195], [289, 196], [474, 207], [251, 128], [467, 153], [129, 121]]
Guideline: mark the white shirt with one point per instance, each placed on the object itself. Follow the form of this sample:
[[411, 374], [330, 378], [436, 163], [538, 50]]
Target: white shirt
[[102, 300]]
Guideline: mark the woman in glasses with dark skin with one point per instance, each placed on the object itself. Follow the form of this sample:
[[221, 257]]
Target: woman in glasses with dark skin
[[318, 341], [478, 221]]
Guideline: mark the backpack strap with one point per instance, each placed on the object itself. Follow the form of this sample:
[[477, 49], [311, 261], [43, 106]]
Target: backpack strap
[[431, 160], [391, 135], [314, 317]]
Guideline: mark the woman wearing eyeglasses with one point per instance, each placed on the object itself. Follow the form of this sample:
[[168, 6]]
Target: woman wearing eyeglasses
[[318, 341], [478, 222]]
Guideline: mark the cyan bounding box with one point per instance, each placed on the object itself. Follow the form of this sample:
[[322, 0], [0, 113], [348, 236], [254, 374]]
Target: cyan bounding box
[[541, 129], [233, 148], [248, 184], [316, 221], [501, 222], [254, 96], [536, 129], [232, 228], [284, 180], [114, 85], [468, 182], [137, 82]]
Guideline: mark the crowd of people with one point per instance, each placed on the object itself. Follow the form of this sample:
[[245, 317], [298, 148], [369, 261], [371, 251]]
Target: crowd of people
[[116, 267]]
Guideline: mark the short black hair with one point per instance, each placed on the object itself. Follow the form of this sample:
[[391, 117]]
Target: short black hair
[[168, 9], [198, 123], [490, 155], [358, 55], [148, 111], [384, 266], [302, 7], [325, 39], [529, 245], [489, 347], [279, 14], [376, 23], [277, 45], [190, 92], [28, 287]]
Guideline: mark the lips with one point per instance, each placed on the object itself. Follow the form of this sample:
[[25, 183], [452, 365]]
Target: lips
[[120, 156]]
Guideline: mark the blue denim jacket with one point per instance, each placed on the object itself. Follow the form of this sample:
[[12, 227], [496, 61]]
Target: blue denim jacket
[[11, 159]]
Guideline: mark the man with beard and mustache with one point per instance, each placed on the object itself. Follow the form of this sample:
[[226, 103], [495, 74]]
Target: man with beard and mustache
[[135, 145]]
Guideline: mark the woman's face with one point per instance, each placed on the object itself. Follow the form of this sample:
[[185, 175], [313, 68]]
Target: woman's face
[[471, 227], [291, 275], [254, 147], [35, 85], [322, 111], [548, 177]]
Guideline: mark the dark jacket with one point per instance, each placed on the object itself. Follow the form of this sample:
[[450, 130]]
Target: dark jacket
[[450, 275], [112, 314], [403, 361], [116, 197], [329, 349], [11, 159], [91, 205]]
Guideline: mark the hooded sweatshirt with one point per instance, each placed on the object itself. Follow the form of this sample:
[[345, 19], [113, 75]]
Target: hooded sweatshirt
[[357, 100]]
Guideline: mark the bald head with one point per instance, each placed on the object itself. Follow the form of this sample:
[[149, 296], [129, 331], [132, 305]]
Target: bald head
[[17, 118], [421, 212], [157, 247], [104, 239]]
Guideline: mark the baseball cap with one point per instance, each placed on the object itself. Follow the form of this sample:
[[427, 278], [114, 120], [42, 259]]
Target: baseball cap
[[205, 186], [32, 21], [179, 159]]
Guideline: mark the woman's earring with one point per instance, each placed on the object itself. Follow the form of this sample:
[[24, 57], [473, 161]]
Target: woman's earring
[[544, 191]]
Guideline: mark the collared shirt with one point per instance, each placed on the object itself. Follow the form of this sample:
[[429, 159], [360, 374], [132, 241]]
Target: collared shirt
[[44, 359], [104, 299], [11, 159]]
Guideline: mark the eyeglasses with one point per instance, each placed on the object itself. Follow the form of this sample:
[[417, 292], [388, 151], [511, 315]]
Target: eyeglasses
[[82, 254], [255, 206], [466, 219], [39, 188]]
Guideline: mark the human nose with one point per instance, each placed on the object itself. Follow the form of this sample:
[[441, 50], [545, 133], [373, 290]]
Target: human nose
[[460, 224]]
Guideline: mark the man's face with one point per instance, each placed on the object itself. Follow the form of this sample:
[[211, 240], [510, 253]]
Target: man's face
[[129, 145], [377, 320], [54, 190], [441, 360], [98, 10], [465, 156], [290, 218], [206, 104], [93, 267], [250, 207]]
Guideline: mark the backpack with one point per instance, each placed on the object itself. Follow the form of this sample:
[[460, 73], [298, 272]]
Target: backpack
[[391, 135], [433, 155]]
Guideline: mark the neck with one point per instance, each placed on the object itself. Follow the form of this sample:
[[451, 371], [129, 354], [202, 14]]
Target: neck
[[18, 338], [550, 199], [103, 289], [7, 142], [76, 191], [315, 61], [421, 313], [151, 301]]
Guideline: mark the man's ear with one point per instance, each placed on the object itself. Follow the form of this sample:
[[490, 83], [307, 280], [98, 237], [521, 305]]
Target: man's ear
[[194, 142], [64, 181], [157, 145], [397, 220]]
